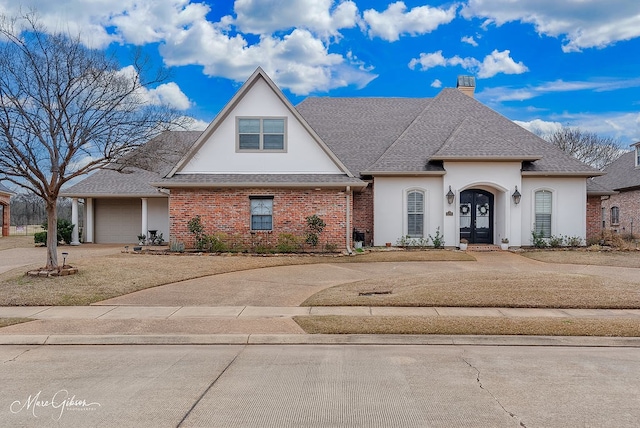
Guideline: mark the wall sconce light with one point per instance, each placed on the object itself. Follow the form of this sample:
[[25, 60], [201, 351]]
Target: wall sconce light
[[516, 196], [450, 196]]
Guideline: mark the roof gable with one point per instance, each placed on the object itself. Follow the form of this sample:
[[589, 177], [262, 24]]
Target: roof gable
[[215, 151]]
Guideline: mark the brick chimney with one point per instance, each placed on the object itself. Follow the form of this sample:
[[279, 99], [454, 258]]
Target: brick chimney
[[466, 85]]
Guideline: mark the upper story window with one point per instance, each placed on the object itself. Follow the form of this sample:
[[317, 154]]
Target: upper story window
[[261, 134], [638, 155], [615, 215], [543, 213]]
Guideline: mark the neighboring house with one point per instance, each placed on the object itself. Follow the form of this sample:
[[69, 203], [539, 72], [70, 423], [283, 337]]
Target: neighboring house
[[119, 203], [620, 210], [385, 167], [5, 211]]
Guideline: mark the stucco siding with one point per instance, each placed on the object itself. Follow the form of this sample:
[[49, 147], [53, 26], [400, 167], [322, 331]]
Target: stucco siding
[[569, 205], [303, 154]]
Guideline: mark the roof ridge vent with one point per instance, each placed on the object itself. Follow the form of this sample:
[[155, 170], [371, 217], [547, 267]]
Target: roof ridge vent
[[466, 85]]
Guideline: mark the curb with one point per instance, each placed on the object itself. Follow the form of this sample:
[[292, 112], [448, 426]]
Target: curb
[[321, 339]]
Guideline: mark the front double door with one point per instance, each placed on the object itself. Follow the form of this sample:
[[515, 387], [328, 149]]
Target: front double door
[[476, 216]]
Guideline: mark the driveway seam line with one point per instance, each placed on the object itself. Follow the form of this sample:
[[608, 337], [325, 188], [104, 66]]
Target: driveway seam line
[[240, 314], [206, 391]]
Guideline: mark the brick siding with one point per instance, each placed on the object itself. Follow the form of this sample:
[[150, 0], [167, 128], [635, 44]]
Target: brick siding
[[363, 213], [594, 221], [228, 211], [628, 203]]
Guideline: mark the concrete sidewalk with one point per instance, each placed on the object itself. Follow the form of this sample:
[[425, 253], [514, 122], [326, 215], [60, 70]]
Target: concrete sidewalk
[[245, 312], [143, 325]]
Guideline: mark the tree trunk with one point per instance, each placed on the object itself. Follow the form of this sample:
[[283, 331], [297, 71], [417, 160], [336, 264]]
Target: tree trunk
[[52, 235]]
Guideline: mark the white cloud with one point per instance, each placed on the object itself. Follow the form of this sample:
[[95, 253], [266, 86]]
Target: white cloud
[[494, 63], [299, 61], [624, 127], [395, 20], [196, 124], [500, 62], [318, 16], [503, 93], [427, 61], [168, 94], [470, 40], [540, 127], [436, 84], [582, 24]]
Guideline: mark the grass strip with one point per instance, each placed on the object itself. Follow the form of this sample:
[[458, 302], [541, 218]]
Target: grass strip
[[337, 324], [5, 322]]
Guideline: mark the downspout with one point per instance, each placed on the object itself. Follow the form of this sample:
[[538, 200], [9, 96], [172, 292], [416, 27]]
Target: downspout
[[348, 222]]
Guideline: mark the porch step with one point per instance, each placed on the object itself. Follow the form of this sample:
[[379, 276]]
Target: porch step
[[483, 247]]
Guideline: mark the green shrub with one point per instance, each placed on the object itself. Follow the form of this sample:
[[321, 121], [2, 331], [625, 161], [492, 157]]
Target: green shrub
[[195, 226], [438, 239], [537, 240], [315, 226], [65, 228], [556, 241], [330, 248], [40, 238], [287, 243], [176, 246], [573, 241], [213, 243]]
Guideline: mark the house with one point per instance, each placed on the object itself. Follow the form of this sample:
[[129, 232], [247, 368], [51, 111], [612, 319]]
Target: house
[[620, 209], [386, 168], [5, 211]]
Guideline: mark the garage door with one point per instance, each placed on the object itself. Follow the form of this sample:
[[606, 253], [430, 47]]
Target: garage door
[[117, 221]]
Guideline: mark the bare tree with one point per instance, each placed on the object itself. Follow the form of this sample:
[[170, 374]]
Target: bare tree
[[588, 147], [66, 110]]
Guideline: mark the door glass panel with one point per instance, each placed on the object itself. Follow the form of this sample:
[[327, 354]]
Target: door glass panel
[[465, 215], [482, 216]]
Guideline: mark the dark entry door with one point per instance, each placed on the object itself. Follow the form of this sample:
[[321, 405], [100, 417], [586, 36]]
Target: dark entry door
[[476, 216]]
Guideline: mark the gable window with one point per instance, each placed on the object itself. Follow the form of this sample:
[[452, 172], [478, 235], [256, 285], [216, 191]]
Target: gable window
[[615, 215], [543, 213], [261, 212], [415, 214], [261, 134]]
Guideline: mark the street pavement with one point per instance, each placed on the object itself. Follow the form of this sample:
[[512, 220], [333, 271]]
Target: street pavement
[[250, 365], [318, 386]]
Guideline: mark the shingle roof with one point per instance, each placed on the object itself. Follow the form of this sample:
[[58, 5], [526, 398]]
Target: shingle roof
[[621, 173], [596, 189], [244, 180], [151, 162], [369, 136], [360, 130], [408, 135]]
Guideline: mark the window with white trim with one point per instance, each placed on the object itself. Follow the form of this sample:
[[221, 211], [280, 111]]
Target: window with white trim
[[543, 200], [615, 215], [637, 156], [415, 214], [261, 212], [261, 134]]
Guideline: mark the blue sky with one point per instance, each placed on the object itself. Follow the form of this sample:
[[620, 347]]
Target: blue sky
[[542, 63]]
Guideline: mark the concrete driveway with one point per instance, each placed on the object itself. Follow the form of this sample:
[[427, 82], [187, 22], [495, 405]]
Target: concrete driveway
[[291, 285]]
